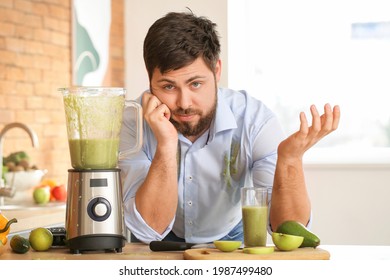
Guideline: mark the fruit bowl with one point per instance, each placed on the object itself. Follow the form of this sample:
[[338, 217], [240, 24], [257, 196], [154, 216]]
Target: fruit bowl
[[24, 180]]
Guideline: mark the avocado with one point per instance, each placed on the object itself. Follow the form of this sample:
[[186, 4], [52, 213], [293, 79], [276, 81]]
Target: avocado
[[297, 228]]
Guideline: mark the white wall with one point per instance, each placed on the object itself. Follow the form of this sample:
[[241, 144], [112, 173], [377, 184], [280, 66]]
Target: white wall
[[140, 14], [349, 201]]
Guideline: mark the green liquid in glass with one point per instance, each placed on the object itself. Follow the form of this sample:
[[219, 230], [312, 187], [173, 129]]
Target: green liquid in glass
[[254, 220]]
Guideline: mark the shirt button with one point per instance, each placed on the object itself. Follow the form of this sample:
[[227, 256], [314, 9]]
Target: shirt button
[[190, 222], [190, 178], [190, 203]]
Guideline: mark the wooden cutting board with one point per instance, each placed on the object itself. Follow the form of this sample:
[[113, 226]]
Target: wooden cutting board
[[298, 254]]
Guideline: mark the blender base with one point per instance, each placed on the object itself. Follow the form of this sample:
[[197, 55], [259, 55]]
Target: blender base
[[96, 242]]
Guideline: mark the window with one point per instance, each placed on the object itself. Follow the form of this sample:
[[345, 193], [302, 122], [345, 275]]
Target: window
[[291, 54]]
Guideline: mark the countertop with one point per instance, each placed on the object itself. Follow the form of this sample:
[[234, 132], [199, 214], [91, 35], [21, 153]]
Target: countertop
[[131, 251], [139, 251], [34, 216], [54, 214]]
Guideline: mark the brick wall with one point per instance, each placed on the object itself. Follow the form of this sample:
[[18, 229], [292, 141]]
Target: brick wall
[[35, 60]]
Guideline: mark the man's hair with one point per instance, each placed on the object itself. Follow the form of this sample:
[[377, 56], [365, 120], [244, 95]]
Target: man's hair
[[177, 39]]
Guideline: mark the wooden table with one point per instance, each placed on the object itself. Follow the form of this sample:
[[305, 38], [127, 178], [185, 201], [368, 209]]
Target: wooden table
[[139, 251], [131, 251]]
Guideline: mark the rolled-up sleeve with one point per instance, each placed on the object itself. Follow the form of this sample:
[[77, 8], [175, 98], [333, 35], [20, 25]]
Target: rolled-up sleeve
[[139, 227], [265, 148]]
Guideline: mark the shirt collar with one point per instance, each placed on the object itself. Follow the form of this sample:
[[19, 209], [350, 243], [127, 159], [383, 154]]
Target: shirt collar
[[224, 119]]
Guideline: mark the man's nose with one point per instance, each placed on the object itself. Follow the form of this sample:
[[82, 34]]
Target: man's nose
[[184, 99]]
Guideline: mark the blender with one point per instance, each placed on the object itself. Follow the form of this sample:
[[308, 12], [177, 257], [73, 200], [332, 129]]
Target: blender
[[94, 211]]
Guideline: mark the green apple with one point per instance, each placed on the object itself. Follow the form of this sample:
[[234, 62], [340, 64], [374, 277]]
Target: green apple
[[41, 195], [286, 242], [259, 250], [227, 245]]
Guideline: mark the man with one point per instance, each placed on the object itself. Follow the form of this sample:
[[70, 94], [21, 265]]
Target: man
[[203, 143]]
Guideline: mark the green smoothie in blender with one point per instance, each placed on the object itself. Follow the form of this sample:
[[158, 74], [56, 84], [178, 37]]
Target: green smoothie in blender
[[94, 121], [94, 153]]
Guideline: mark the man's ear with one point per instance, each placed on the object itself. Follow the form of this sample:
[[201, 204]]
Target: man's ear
[[218, 70]]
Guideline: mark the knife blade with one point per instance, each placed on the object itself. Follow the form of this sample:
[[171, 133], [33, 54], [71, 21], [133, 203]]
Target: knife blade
[[176, 246]]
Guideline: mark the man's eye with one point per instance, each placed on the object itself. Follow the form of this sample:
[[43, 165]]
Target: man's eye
[[196, 84], [169, 87]]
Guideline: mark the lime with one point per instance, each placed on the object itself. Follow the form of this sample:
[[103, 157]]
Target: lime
[[227, 245], [286, 242], [259, 250], [41, 239]]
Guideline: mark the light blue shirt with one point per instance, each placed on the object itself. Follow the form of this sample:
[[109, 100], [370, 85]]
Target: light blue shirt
[[239, 149]]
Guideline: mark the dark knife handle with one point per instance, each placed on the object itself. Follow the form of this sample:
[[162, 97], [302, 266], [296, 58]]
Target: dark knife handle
[[169, 246]]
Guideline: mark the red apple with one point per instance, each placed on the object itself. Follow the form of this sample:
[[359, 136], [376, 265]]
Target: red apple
[[59, 193]]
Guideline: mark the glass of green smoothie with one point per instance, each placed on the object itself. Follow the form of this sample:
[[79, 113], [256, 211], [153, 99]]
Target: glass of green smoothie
[[254, 215]]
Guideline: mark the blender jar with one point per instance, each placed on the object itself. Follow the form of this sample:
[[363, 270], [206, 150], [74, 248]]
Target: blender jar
[[94, 120]]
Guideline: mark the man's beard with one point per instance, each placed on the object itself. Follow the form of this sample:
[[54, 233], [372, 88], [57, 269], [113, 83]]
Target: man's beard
[[186, 128]]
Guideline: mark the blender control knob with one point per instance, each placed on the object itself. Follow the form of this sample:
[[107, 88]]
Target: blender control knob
[[99, 209]]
